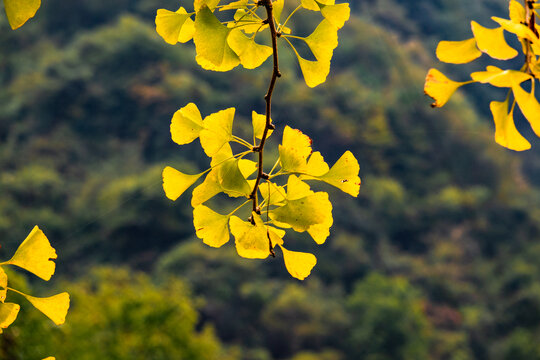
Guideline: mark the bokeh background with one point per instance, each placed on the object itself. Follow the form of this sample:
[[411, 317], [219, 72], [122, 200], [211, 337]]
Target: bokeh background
[[438, 258]]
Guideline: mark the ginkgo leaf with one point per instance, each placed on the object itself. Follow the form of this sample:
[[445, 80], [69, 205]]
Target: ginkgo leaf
[[529, 106], [19, 11], [310, 5], [175, 182], [186, 124], [247, 167], [320, 232], [36, 255], [211, 227], [210, 38], [278, 9], [272, 193], [458, 52], [506, 133], [500, 78], [251, 240], [234, 5], [8, 314], [302, 213], [3, 285], [294, 150], [517, 12], [298, 264], [297, 189], [174, 27], [259, 123], [232, 180], [344, 174], [518, 29], [251, 54], [217, 131], [492, 42], [316, 166], [323, 41], [247, 21], [314, 72], [54, 307], [439, 87], [209, 188], [50, 358], [338, 14]]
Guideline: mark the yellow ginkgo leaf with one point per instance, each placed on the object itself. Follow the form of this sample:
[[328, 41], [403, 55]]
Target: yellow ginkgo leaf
[[186, 124], [248, 22], [259, 123], [529, 106], [337, 14], [3, 285], [298, 264], [316, 166], [344, 174], [217, 131], [50, 358], [458, 52], [506, 133], [54, 307], [294, 150], [251, 240], [278, 9], [272, 193], [310, 5], [323, 41], [234, 5], [8, 314], [492, 42], [251, 54], [302, 213], [174, 27], [517, 12], [36, 255], [439, 87], [175, 182], [518, 29], [500, 78], [210, 38], [211, 227], [19, 11], [320, 232], [297, 189], [314, 72], [232, 180], [199, 4]]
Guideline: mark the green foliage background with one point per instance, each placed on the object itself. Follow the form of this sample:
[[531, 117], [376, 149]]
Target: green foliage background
[[437, 258]]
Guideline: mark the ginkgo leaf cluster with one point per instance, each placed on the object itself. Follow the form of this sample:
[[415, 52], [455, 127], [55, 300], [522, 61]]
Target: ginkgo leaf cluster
[[288, 202], [491, 41], [35, 255], [222, 45]]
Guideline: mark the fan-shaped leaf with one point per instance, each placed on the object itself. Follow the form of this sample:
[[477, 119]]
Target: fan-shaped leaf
[[232, 180], [500, 78], [302, 213], [54, 307], [217, 131], [35, 254], [175, 182], [251, 54], [8, 314], [529, 106], [439, 87], [186, 124], [492, 42], [211, 227], [294, 150], [19, 11], [506, 133], [259, 123], [338, 14], [517, 12], [251, 240], [458, 52], [298, 264], [344, 174], [174, 27]]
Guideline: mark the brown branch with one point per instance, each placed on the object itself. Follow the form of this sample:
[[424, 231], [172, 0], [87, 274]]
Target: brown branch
[[268, 98]]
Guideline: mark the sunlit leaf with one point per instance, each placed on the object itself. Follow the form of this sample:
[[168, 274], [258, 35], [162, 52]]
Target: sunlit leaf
[[35, 254], [294, 150], [8, 314], [174, 27], [210, 38], [259, 123], [210, 226], [458, 52], [298, 264], [305, 212], [500, 78], [439, 87], [54, 307], [251, 54], [297, 189], [207, 190], [175, 182], [232, 180], [272, 193], [251, 240], [529, 106], [518, 29], [320, 232], [323, 41], [200, 4], [19, 11], [343, 175], [492, 42], [310, 5], [247, 22], [506, 133], [234, 5], [314, 72], [217, 131], [278, 9], [186, 124], [517, 12], [316, 166], [3, 285]]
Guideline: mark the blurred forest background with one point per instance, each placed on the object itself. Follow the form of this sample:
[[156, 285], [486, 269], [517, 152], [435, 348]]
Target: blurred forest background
[[438, 258]]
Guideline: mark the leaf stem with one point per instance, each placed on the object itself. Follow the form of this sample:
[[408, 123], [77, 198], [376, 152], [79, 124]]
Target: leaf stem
[[268, 98]]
